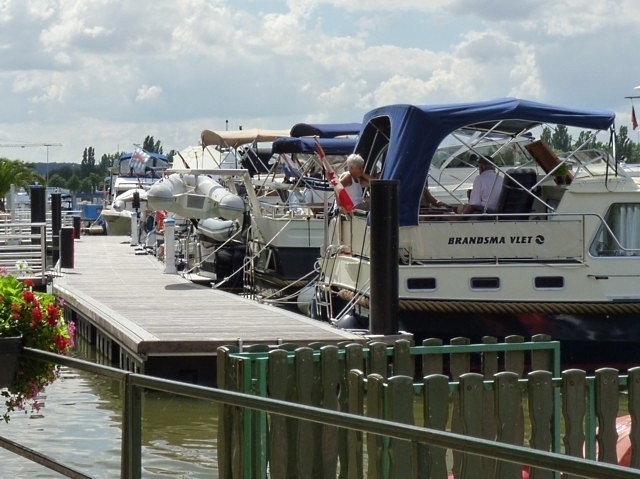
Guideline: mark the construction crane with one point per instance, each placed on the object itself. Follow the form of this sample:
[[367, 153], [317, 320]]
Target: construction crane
[[29, 145]]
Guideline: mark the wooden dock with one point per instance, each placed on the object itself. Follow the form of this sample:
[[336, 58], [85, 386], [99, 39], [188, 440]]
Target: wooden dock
[[145, 320]]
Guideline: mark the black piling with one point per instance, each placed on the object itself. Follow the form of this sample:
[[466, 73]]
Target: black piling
[[66, 247], [38, 210], [77, 226], [385, 244], [56, 224]]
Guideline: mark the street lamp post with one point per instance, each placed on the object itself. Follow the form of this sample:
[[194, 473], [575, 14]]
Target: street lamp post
[[46, 171]]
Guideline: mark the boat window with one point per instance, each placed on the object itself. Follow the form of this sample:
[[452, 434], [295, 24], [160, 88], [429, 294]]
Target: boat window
[[421, 283], [619, 235], [548, 282], [485, 283], [374, 143]]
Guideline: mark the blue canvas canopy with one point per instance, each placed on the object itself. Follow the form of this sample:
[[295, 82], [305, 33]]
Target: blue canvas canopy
[[413, 133], [325, 130], [331, 146]]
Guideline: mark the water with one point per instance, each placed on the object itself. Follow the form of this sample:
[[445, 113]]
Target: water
[[80, 426]]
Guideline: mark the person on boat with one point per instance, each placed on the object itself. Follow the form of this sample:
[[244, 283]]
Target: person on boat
[[428, 199], [485, 191], [355, 180]]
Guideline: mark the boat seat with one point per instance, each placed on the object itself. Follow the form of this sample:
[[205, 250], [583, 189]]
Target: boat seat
[[513, 197]]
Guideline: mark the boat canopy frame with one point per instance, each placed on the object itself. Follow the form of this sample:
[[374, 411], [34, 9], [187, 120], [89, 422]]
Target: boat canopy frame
[[398, 141]]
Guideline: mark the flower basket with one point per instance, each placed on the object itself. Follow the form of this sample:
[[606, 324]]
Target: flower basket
[[10, 349], [32, 319]]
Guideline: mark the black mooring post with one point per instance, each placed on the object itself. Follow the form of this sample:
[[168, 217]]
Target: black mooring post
[[56, 224], [38, 209], [66, 247], [385, 244]]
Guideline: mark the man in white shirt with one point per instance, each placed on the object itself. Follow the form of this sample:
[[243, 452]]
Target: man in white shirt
[[485, 191]]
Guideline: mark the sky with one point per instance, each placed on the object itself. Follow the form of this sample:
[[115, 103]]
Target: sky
[[107, 73]]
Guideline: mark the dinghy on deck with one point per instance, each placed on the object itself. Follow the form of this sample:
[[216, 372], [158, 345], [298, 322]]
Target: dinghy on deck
[[195, 196]]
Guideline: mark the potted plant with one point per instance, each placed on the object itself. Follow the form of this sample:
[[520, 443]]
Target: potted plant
[[562, 174], [33, 319]]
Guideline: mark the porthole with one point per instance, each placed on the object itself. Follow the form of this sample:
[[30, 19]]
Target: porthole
[[548, 282], [421, 284], [485, 283]]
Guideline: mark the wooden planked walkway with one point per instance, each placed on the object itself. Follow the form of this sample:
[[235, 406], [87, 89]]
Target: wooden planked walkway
[[132, 300]]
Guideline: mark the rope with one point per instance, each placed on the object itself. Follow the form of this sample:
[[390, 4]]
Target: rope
[[425, 305]]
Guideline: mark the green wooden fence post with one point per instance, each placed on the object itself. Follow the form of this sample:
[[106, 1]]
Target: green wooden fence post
[[607, 410], [489, 426], [402, 454], [541, 396], [378, 360], [436, 412], [307, 445], [403, 362], [353, 359], [355, 385], [509, 415], [574, 387], [432, 363], [280, 443], [330, 381], [471, 391], [376, 451], [459, 364]]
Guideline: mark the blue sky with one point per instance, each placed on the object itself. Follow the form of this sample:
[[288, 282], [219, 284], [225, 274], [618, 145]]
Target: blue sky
[[106, 73]]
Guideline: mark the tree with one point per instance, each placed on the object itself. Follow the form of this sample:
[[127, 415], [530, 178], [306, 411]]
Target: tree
[[561, 140], [18, 173], [73, 184], [150, 146], [86, 186], [57, 181]]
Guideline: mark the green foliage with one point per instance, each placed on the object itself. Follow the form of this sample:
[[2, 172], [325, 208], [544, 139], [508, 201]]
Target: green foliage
[[73, 184], [57, 181], [17, 173]]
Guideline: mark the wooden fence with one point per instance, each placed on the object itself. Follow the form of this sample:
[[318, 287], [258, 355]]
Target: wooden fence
[[511, 392]]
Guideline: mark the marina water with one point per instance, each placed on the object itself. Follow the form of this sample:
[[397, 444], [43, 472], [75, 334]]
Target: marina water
[[80, 426]]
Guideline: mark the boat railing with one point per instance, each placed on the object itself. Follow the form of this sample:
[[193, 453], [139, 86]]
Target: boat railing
[[241, 459]]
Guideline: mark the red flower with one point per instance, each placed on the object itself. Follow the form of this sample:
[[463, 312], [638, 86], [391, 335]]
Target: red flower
[[29, 283], [61, 342], [36, 314], [28, 296], [53, 311]]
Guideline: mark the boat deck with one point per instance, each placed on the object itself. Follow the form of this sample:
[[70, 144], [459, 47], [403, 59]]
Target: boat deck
[[147, 313]]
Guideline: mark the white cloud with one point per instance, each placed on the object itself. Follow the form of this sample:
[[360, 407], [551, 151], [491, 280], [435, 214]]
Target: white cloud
[[102, 73], [148, 93]]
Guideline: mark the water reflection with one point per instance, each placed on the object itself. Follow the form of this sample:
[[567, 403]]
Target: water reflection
[[80, 425]]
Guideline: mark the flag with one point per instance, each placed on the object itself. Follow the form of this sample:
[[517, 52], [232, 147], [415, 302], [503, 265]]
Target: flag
[[634, 121], [138, 161], [342, 196]]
